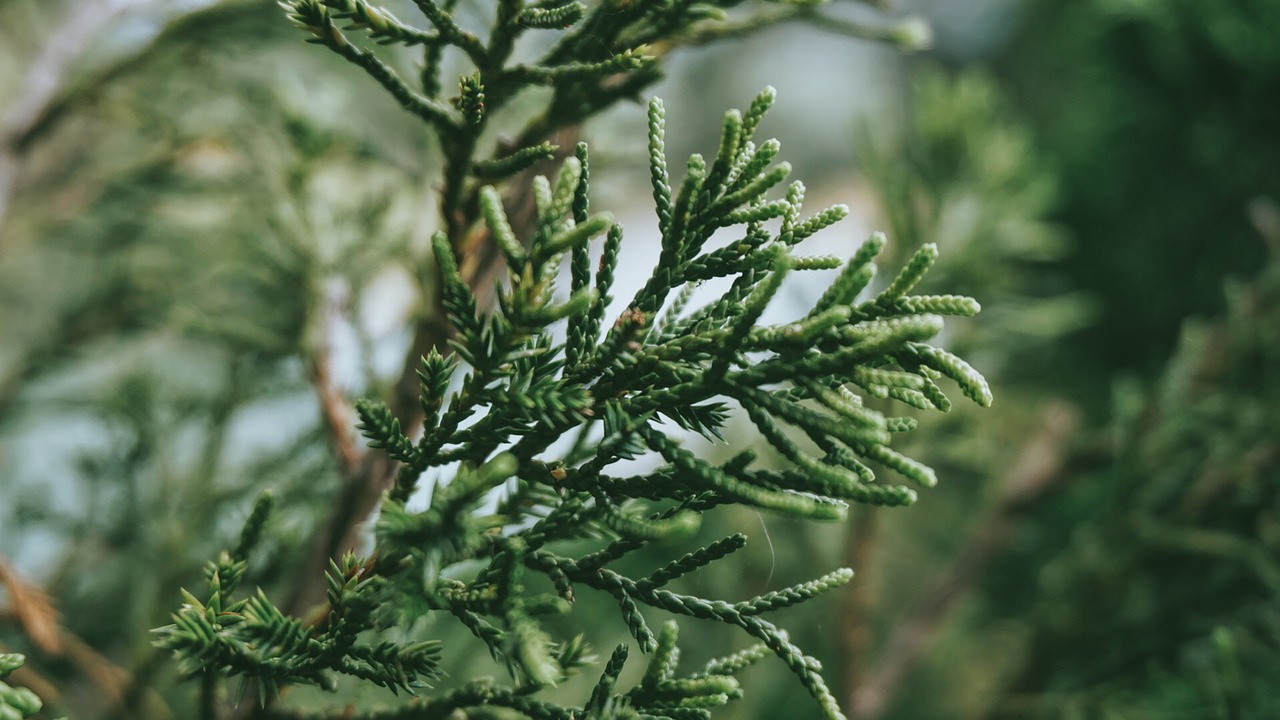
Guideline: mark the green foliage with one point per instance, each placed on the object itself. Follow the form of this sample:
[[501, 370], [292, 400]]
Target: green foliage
[[546, 422], [963, 172], [1182, 561], [1159, 117], [15, 703], [599, 59]]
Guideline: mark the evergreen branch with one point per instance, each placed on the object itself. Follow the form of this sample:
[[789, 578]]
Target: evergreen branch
[[915, 269], [604, 282], [694, 560], [658, 164], [16, 702], [822, 220], [577, 345], [525, 396], [970, 380], [434, 377], [624, 62], [515, 162], [254, 526], [905, 466], [458, 300], [600, 695], [901, 424], [474, 695], [452, 34], [938, 305], [379, 22], [383, 432], [471, 99], [712, 479], [795, 594], [560, 17], [730, 138], [499, 228], [662, 661], [674, 240], [856, 275], [736, 662], [313, 16], [804, 667]]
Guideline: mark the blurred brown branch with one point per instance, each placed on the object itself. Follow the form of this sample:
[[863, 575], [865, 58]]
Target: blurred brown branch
[[44, 82], [1039, 468], [39, 620], [50, 87]]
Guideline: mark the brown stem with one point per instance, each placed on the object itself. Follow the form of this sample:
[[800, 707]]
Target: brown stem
[[334, 409], [1038, 469], [39, 620], [857, 620]]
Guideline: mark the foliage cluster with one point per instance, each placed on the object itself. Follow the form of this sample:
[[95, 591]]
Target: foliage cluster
[[963, 171], [15, 703], [207, 247], [1143, 586], [1183, 538], [1159, 119], [617, 394], [539, 420]]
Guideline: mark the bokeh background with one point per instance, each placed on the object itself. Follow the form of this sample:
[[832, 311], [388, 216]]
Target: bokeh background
[[199, 212]]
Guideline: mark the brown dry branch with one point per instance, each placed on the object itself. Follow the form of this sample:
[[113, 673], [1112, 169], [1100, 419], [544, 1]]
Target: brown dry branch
[[34, 612]]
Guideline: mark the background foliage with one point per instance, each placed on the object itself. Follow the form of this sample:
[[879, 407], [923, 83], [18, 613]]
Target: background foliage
[[205, 221]]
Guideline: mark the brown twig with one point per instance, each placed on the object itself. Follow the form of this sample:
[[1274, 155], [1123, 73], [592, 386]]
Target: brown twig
[[857, 619], [33, 609], [46, 78], [39, 620], [1039, 468], [334, 408]]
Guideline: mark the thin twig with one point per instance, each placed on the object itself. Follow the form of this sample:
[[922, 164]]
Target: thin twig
[[807, 14], [33, 609], [208, 696]]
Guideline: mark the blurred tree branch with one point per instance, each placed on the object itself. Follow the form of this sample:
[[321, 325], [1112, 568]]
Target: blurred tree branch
[[45, 81], [1041, 467], [35, 614], [50, 87]]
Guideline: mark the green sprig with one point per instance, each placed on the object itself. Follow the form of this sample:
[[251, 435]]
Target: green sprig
[[535, 414]]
